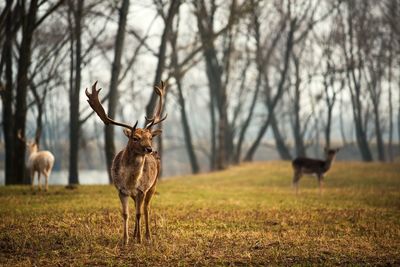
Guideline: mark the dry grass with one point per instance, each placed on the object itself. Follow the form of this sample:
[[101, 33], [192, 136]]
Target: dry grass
[[244, 216]]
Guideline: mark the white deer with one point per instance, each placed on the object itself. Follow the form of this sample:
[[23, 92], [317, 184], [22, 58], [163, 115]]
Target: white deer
[[39, 161]]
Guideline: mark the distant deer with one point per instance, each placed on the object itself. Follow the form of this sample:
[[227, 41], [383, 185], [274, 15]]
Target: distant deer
[[316, 167], [135, 169], [39, 161]]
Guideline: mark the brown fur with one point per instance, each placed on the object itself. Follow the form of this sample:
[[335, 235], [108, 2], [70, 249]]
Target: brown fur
[[134, 172], [135, 169], [316, 167]]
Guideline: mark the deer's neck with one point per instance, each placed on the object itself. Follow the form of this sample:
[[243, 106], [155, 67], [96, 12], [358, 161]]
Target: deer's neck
[[328, 163], [133, 161], [33, 152]]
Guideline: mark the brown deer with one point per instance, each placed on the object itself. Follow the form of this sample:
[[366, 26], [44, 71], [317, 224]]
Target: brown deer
[[39, 161], [135, 169], [302, 165]]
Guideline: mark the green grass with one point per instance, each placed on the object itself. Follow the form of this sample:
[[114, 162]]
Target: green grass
[[246, 215]]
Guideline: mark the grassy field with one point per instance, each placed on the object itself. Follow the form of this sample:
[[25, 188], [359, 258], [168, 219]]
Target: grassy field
[[243, 216]]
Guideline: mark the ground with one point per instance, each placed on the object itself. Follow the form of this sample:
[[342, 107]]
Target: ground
[[244, 216]]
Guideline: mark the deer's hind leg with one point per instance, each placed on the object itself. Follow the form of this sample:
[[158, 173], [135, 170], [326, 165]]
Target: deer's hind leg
[[125, 214], [320, 182], [46, 175], [39, 184], [147, 199]]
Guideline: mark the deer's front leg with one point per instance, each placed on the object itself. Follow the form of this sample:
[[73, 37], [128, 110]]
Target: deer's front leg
[[147, 199], [125, 214], [296, 178], [139, 204]]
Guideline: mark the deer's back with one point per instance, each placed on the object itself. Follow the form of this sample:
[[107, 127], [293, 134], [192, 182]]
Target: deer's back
[[42, 160], [307, 165]]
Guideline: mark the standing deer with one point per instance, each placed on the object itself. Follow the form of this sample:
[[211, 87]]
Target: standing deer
[[39, 161], [135, 169], [316, 167]]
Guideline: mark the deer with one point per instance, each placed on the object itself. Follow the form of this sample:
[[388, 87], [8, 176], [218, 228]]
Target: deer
[[136, 168], [38, 161], [303, 165]]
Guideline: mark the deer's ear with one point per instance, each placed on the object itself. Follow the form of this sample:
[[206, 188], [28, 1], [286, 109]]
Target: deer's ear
[[156, 132], [127, 132]]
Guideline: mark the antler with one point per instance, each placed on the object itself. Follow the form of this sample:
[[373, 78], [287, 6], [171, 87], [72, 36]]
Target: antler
[[156, 119], [93, 100]]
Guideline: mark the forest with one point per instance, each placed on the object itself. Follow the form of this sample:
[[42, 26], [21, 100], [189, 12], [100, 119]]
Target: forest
[[211, 111], [247, 80]]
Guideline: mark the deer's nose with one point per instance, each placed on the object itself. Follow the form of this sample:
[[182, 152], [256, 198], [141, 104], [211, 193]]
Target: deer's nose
[[148, 149]]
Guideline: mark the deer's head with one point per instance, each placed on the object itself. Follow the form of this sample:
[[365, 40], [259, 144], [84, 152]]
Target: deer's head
[[331, 153], [140, 139], [31, 145]]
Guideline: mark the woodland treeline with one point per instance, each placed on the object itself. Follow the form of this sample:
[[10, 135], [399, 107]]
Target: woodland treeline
[[300, 70]]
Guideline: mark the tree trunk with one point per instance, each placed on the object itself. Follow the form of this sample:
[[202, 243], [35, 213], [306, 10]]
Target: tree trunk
[[7, 100], [186, 131], [342, 124], [24, 61], [39, 105], [217, 90], [252, 150], [329, 102], [222, 133], [279, 142], [74, 131], [328, 128], [213, 135], [113, 94], [390, 145], [246, 124], [297, 131], [378, 132], [182, 103]]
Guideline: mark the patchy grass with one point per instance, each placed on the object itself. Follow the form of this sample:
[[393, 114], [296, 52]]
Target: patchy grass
[[247, 215]]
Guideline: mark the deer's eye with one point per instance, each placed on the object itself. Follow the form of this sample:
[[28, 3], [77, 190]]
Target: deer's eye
[[135, 138]]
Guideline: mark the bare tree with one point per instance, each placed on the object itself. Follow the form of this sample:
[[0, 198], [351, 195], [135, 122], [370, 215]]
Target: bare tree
[[172, 11], [75, 17], [178, 74], [113, 93], [298, 130], [278, 93], [352, 54], [262, 59], [217, 70], [23, 17]]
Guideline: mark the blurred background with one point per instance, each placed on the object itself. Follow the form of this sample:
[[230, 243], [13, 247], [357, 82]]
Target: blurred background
[[247, 80]]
